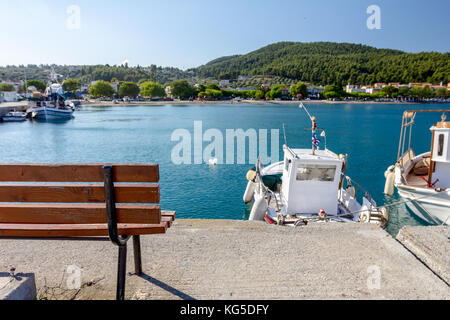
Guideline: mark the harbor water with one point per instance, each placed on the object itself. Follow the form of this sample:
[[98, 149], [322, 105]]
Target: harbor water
[[368, 133]]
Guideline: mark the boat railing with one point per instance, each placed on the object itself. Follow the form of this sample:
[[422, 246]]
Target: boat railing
[[359, 193], [408, 121]]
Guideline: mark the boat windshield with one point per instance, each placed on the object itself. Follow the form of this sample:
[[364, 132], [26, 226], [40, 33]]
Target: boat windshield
[[314, 172]]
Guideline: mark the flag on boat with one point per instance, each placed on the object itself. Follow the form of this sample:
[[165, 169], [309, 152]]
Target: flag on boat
[[315, 141]]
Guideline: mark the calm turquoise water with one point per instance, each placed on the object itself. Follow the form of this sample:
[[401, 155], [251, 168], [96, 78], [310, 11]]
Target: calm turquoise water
[[368, 133]]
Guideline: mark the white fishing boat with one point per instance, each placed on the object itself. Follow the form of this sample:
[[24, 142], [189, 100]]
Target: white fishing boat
[[14, 116], [423, 180], [309, 185], [51, 106]]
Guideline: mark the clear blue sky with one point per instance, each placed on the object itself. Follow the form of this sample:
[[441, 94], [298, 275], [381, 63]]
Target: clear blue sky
[[188, 33]]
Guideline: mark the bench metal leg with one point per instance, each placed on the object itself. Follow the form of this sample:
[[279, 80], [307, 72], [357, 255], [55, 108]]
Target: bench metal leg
[[137, 255], [121, 272]]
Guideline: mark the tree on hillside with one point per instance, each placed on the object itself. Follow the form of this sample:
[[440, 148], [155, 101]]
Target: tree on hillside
[[181, 89], [152, 89], [129, 89], [38, 84], [299, 88], [71, 85], [6, 87], [101, 89]]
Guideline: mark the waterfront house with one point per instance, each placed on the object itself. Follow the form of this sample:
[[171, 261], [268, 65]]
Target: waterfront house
[[224, 83], [315, 92], [419, 84], [379, 85], [350, 88]]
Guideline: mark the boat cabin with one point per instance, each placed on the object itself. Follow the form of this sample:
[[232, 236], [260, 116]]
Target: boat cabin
[[441, 153], [311, 181]]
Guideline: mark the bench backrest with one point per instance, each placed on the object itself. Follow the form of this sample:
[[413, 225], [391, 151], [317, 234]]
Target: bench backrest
[[75, 193]]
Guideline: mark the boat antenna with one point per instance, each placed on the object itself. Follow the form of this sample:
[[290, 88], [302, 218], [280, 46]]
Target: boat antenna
[[284, 134], [315, 141]]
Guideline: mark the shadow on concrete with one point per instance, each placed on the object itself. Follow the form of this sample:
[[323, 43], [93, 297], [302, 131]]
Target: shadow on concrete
[[17, 276], [166, 287]]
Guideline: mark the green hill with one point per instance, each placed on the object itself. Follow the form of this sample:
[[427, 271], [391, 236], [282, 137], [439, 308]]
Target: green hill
[[327, 62]]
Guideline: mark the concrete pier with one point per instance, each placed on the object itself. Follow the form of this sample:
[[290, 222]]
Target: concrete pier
[[21, 286], [12, 106], [221, 259], [431, 245]]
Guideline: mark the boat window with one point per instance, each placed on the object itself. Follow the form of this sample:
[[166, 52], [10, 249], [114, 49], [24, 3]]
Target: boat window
[[313, 172], [441, 145]]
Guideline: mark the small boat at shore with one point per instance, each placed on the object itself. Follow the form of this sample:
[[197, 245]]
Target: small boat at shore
[[423, 180], [52, 106], [309, 185], [14, 116]]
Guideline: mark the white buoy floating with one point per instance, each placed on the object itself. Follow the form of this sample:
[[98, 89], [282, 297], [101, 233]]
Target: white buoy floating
[[213, 162]]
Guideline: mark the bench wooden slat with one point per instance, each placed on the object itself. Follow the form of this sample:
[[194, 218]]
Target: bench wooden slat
[[77, 172], [76, 213], [78, 230], [170, 214], [77, 193]]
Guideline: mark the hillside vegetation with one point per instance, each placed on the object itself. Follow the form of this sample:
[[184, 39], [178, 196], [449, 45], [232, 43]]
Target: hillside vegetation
[[327, 62], [319, 63]]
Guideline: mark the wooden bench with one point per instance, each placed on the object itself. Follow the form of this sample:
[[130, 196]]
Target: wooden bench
[[83, 202]]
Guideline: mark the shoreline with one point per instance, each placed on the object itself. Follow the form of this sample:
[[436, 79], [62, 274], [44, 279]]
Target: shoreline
[[243, 102], [22, 106]]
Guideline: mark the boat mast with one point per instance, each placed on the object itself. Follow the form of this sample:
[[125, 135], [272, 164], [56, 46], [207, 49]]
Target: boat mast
[[313, 128]]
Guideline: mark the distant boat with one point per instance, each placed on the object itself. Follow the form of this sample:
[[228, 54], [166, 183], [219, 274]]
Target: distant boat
[[14, 117], [51, 106]]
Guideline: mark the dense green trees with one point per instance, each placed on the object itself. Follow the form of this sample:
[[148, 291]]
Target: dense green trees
[[101, 89], [299, 88], [129, 89], [152, 89], [325, 63], [276, 92], [211, 94], [259, 94], [181, 89], [71, 85], [319, 63], [38, 84], [333, 91], [7, 87]]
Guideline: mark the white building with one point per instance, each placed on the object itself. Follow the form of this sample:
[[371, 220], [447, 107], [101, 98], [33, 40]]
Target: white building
[[8, 96], [242, 78], [168, 90], [224, 83], [350, 88]]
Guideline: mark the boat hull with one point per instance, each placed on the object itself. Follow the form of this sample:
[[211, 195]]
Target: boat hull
[[429, 205], [13, 119], [52, 114]]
